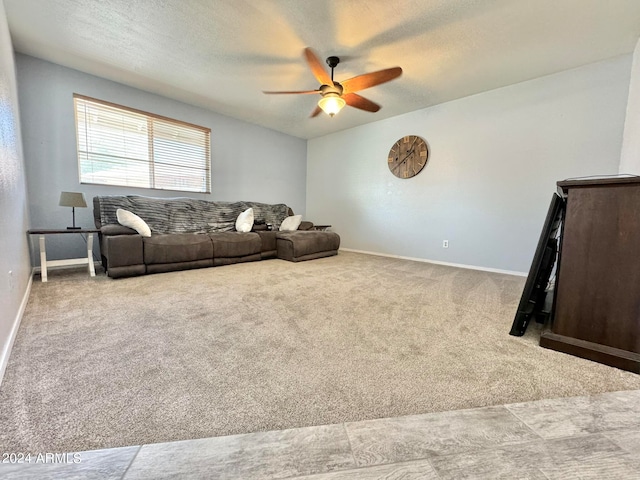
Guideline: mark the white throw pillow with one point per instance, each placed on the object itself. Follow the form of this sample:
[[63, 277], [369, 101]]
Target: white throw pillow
[[131, 220], [244, 223], [291, 224]]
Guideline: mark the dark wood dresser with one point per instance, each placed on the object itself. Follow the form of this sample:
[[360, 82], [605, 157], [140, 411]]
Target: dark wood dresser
[[597, 294]]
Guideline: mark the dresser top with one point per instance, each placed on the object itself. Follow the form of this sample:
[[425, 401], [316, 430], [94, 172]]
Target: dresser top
[[597, 181]]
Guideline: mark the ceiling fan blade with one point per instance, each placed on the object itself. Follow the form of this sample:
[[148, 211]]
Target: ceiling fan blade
[[370, 79], [317, 111], [299, 92], [316, 67], [357, 101]]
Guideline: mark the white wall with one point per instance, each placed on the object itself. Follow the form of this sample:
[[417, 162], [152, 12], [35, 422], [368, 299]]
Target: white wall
[[630, 158], [248, 162], [14, 254], [494, 162]]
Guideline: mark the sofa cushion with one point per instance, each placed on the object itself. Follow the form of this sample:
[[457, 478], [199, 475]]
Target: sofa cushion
[[235, 244], [305, 225], [268, 239], [291, 224], [244, 223], [131, 220], [177, 247], [308, 244]]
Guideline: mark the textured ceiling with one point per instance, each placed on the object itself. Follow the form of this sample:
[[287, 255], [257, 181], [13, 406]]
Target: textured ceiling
[[221, 54]]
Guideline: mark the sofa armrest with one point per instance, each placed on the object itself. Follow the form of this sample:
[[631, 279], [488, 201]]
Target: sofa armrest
[[123, 250], [112, 229], [305, 225]]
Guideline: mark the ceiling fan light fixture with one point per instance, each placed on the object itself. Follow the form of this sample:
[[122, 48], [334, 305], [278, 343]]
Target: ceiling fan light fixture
[[331, 103]]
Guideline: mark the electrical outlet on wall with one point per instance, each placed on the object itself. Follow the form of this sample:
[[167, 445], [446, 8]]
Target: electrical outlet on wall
[[445, 243]]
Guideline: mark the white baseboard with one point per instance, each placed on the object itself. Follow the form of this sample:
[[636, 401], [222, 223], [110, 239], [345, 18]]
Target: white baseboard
[[448, 264], [6, 352]]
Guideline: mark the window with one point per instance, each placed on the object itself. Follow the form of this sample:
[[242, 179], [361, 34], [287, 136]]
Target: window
[[130, 148]]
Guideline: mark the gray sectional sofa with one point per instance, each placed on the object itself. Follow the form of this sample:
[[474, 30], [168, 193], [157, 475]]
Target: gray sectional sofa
[[190, 233]]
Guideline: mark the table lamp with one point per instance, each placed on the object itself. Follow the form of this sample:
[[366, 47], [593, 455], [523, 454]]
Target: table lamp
[[73, 200]]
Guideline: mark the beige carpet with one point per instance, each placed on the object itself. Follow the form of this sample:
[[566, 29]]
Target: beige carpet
[[270, 345]]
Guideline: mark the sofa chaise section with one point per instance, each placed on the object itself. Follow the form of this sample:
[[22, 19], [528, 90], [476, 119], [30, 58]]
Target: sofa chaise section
[[303, 245]]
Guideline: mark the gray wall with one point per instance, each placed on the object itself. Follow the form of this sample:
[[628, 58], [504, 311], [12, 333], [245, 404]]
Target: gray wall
[[630, 157], [248, 162], [495, 159], [14, 255]]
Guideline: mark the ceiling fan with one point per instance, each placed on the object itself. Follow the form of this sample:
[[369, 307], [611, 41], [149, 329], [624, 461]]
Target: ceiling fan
[[336, 94]]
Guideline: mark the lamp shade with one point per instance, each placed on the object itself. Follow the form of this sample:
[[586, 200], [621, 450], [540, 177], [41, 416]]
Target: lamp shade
[[331, 103], [72, 199]]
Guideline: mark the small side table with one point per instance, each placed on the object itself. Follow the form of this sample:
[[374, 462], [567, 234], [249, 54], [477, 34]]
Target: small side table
[[44, 264]]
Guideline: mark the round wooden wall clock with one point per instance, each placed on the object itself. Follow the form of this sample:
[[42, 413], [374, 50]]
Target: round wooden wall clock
[[408, 156]]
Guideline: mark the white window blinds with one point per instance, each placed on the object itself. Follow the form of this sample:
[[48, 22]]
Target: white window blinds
[[126, 147]]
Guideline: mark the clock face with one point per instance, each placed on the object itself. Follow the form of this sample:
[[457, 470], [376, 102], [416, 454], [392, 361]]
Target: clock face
[[408, 156]]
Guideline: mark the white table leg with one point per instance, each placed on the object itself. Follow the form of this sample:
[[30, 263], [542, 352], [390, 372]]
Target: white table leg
[[43, 259], [92, 270]]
